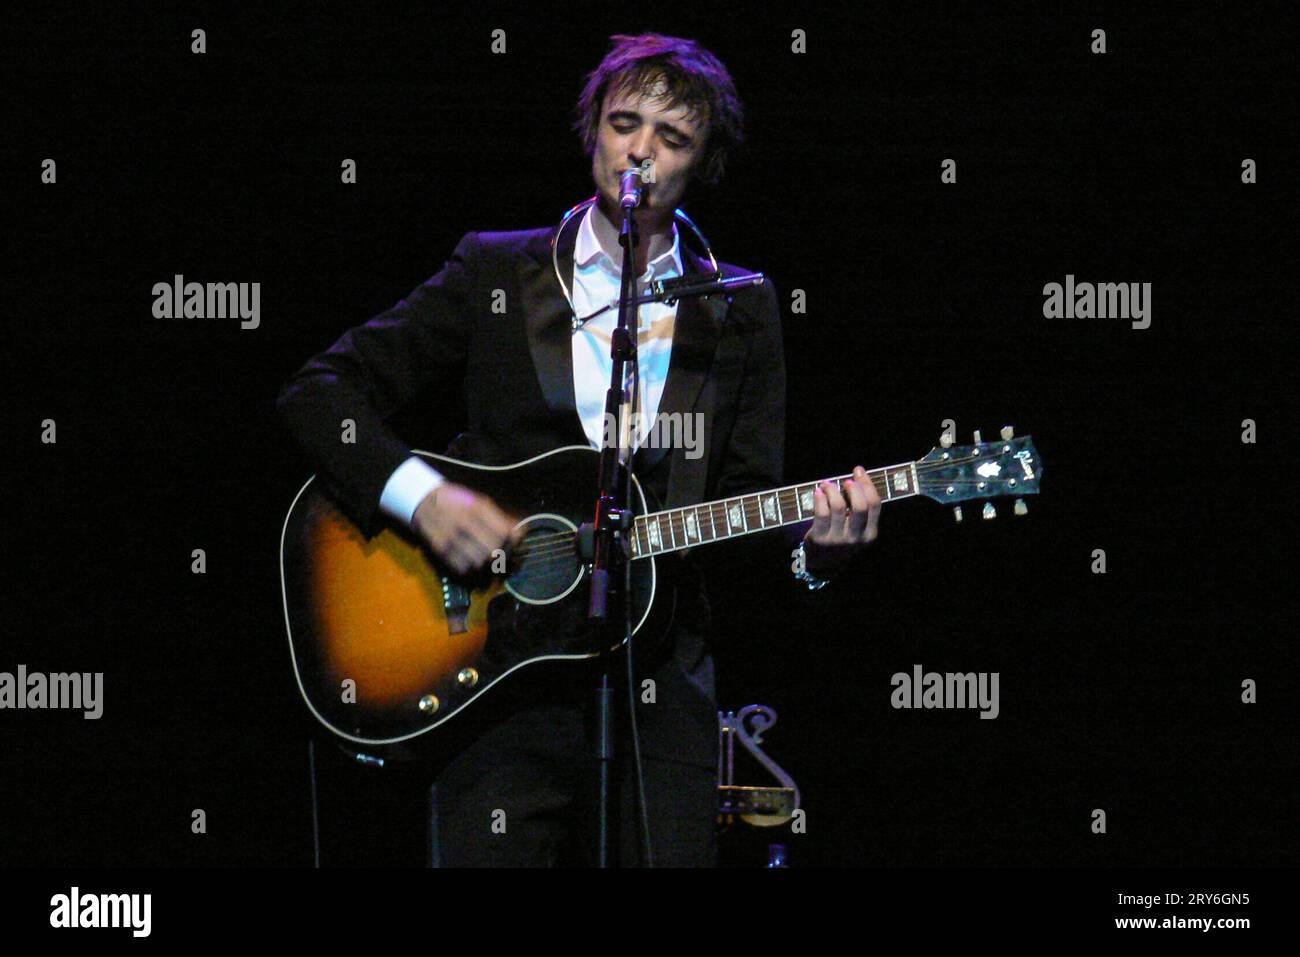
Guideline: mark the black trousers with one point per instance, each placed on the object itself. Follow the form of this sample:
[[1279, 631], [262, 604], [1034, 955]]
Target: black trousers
[[524, 794], [514, 781]]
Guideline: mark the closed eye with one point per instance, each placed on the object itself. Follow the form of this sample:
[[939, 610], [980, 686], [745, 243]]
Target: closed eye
[[671, 136]]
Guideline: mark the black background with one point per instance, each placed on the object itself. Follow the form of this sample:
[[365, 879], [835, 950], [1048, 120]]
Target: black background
[[1118, 691]]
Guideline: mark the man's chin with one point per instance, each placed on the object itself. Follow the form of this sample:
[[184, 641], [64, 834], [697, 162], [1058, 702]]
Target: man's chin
[[651, 206]]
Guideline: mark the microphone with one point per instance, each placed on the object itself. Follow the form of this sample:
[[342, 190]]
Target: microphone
[[629, 188]]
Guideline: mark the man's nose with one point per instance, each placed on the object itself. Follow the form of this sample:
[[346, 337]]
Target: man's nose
[[640, 149]]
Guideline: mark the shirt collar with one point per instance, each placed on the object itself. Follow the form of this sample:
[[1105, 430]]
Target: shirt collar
[[588, 250]]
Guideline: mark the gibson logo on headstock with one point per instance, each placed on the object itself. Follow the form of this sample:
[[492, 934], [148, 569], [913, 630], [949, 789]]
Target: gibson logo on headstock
[[1025, 458]]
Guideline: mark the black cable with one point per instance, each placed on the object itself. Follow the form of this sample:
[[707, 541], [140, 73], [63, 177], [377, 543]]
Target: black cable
[[315, 818], [627, 613]]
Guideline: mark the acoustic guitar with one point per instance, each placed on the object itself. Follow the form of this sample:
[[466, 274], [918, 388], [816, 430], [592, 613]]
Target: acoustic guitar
[[388, 645]]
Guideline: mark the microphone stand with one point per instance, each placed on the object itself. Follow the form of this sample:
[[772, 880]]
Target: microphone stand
[[614, 518], [610, 549]]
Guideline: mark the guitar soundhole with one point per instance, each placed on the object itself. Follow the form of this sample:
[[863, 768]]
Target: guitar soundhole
[[545, 565]]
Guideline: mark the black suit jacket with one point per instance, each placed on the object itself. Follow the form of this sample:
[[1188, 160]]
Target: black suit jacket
[[515, 372]]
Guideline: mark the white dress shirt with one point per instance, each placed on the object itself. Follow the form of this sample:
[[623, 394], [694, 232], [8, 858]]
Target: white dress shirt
[[597, 259]]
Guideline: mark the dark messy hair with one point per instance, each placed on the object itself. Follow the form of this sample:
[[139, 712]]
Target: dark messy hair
[[692, 77]]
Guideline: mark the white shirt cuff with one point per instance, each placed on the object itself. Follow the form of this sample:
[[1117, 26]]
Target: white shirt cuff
[[406, 488]]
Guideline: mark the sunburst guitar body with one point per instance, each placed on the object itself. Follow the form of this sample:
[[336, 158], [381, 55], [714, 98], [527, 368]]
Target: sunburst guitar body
[[387, 644]]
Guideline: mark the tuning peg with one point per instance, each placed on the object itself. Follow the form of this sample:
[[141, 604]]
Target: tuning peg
[[1020, 507], [946, 440], [978, 440], [990, 511], [956, 512], [1008, 433]]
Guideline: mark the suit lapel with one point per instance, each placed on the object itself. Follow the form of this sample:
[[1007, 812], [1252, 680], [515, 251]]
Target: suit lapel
[[695, 339], [550, 325]]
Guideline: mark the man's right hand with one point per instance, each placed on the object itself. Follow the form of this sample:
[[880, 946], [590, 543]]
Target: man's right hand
[[462, 527]]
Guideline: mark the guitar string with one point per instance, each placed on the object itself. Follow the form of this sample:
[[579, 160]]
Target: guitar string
[[927, 467], [562, 538], [537, 540], [562, 544], [567, 551]]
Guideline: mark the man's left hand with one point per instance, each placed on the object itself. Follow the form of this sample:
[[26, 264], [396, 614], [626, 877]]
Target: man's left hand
[[841, 529]]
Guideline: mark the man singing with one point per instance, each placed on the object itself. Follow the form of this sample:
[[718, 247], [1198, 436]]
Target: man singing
[[533, 380]]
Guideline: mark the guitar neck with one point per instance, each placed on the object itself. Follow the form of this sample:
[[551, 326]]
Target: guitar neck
[[676, 528]]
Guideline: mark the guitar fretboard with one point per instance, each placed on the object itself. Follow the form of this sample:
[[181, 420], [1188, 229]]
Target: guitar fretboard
[[677, 528]]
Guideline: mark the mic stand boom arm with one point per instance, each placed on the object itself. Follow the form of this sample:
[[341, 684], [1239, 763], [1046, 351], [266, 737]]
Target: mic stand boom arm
[[670, 290]]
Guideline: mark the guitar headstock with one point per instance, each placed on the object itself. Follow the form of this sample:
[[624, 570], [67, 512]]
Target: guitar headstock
[[953, 474]]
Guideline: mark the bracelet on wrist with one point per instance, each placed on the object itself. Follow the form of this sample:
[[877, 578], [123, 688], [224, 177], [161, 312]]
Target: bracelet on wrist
[[806, 576]]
